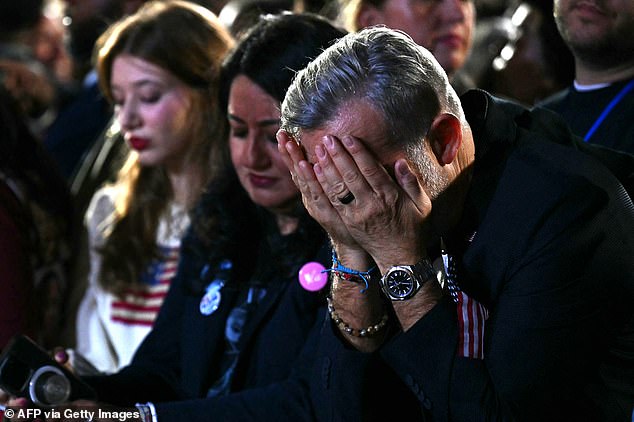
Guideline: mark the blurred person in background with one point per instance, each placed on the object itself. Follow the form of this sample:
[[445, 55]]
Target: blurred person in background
[[50, 42], [599, 105], [444, 27], [34, 62], [518, 52]]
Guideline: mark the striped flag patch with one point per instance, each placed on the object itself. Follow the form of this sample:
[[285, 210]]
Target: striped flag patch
[[140, 307], [472, 316]]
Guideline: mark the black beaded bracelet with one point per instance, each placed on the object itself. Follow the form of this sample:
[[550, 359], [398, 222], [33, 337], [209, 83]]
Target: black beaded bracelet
[[356, 332]]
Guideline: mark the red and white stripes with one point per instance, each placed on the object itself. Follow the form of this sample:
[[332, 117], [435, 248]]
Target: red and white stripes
[[472, 316], [140, 307]]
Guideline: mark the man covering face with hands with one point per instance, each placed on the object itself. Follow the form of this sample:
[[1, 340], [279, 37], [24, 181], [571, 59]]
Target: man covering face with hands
[[487, 259]]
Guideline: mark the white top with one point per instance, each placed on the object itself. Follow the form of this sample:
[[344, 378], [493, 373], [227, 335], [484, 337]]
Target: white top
[[111, 328]]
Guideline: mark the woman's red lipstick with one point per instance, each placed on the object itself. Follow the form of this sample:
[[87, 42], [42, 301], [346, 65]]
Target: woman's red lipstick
[[138, 144]]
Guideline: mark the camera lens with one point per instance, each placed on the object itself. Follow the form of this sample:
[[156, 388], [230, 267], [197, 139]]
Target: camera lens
[[49, 386]]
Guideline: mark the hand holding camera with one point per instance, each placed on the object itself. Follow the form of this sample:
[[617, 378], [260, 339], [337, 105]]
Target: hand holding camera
[[28, 371]]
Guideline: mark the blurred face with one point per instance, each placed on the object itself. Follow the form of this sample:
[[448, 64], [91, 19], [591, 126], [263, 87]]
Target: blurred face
[[598, 31], [444, 27], [47, 43], [153, 108], [254, 118]]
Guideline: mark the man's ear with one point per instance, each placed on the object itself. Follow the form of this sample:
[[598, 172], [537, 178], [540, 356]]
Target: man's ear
[[368, 16], [445, 137]]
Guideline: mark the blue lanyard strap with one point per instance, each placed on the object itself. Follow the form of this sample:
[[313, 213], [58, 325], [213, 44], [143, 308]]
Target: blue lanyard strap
[[618, 97]]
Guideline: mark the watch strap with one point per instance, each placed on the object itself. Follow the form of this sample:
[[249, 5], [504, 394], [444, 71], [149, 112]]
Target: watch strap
[[424, 270]]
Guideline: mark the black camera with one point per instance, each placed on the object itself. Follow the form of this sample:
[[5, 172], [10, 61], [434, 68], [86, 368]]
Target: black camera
[[26, 370]]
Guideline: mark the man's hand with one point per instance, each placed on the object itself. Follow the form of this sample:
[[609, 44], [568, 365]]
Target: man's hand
[[388, 216], [386, 222]]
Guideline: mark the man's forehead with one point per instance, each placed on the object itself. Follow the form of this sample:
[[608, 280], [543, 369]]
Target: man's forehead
[[355, 118]]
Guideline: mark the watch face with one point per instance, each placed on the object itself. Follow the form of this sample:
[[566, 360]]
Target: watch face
[[400, 283]]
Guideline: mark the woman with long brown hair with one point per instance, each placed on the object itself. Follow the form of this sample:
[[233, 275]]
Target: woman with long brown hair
[[160, 69]]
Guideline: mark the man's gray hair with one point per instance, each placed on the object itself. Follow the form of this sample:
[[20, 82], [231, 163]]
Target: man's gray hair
[[385, 67]]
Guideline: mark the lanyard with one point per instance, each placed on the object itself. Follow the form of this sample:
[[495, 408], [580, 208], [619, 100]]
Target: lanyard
[[618, 97]]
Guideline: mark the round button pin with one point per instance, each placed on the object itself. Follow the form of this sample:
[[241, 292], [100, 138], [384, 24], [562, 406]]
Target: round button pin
[[312, 276]]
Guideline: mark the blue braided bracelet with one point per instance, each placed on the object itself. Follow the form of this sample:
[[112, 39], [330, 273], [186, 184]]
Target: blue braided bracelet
[[350, 274]]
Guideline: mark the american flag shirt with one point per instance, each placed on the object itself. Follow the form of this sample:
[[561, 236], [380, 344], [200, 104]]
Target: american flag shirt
[[110, 328], [140, 306]]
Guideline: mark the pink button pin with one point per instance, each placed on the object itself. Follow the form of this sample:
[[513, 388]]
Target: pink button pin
[[312, 276]]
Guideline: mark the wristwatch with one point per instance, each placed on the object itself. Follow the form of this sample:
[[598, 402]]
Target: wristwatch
[[401, 282]]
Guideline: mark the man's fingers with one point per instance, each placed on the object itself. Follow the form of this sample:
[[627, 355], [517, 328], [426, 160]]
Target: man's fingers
[[371, 171], [329, 173], [410, 184], [282, 139]]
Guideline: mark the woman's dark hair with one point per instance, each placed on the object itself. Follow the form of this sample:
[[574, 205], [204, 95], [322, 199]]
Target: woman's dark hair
[[227, 224], [274, 49]]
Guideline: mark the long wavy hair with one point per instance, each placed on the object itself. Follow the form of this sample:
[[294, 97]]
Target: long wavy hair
[[188, 41], [227, 224]]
